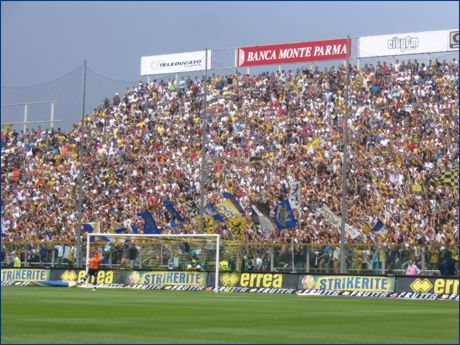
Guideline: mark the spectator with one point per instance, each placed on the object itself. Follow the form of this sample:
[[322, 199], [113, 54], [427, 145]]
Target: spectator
[[412, 269], [16, 261]]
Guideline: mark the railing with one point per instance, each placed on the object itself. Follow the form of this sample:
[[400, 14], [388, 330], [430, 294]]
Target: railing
[[248, 257]]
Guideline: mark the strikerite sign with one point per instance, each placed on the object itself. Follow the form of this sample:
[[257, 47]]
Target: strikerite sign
[[175, 63], [408, 43], [277, 54]]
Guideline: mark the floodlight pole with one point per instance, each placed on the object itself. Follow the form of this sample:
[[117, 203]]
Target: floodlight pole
[[203, 144], [343, 267], [80, 175]]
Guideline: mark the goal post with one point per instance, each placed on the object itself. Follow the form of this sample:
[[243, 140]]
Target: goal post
[[180, 247]]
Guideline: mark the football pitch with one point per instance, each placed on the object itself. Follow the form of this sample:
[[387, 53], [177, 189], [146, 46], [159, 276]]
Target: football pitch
[[64, 315]]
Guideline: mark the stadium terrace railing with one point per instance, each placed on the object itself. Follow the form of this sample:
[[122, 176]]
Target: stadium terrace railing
[[249, 257]]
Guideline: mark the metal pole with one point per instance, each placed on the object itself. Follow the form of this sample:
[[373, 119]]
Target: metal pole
[[52, 116], [344, 171], [203, 144], [216, 283], [87, 253], [26, 111], [80, 176]]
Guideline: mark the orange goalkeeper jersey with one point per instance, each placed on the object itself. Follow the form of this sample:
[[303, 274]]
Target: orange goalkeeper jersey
[[95, 261]]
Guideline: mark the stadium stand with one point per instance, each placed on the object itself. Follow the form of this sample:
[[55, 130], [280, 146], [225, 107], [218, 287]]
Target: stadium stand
[[264, 132]]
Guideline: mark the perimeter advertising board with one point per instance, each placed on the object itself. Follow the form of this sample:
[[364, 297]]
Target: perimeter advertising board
[[24, 274], [427, 285], [168, 278], [347, 283], [277, 54], [408, 43], [175, 63], [255, 280], [74, 275]]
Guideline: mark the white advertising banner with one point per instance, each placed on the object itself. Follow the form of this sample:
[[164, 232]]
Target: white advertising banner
[[408, 43], [175, 63]]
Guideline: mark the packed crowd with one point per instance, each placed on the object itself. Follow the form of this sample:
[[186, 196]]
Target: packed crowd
[[264, 132]]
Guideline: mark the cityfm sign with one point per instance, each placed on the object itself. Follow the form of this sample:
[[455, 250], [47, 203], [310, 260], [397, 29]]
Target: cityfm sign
[[403, 44], [408, 43]]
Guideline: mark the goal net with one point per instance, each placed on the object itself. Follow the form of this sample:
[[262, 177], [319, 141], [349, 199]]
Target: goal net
[[159, 252]]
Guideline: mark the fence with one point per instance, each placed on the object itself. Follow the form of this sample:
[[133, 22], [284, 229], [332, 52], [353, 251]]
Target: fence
[[248, 257]]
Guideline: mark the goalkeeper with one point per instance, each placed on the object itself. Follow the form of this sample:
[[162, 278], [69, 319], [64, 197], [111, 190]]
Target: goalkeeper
[[94, 266], [197, 264]]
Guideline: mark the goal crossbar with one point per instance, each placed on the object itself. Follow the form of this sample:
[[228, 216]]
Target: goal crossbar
[[131, 236]]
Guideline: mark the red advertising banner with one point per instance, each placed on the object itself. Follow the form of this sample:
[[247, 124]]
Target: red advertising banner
[[278, 54]]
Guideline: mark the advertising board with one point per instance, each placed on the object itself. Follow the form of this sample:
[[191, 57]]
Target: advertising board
[[168, 278], [24, 274], [257, 282], [74, 275], [408, 43], [175, 63], [277, 54], [434, 285], [347, 283]]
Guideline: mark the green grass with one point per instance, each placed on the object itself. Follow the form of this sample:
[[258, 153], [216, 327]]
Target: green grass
[[62, 315]]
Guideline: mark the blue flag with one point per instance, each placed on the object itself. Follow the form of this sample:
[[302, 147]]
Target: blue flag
[[150, 226], [284, 217], [235, 202], [210, 210], [120, 230], [134, 229], [48, 235], [378, 226], [89, 228], [176, 215]]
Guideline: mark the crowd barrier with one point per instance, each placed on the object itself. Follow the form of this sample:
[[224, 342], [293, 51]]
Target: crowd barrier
[[360, 259], [414, 287]]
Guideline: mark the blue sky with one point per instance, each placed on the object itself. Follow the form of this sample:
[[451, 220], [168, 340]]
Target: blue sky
[[43, 41]]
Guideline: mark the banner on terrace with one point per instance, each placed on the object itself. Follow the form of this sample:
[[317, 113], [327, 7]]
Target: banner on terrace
[[277, 54], [175, 63], [336, 221], [408, 43]]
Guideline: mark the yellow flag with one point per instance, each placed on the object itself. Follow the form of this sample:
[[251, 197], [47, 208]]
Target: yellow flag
[[238, 226], [209, 224], [228, 209]]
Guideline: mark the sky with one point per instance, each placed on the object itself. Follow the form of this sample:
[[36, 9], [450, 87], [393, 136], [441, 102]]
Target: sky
[[44, 44]]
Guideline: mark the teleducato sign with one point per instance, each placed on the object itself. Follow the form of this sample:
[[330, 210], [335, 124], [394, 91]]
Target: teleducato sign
[[278, 54]]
